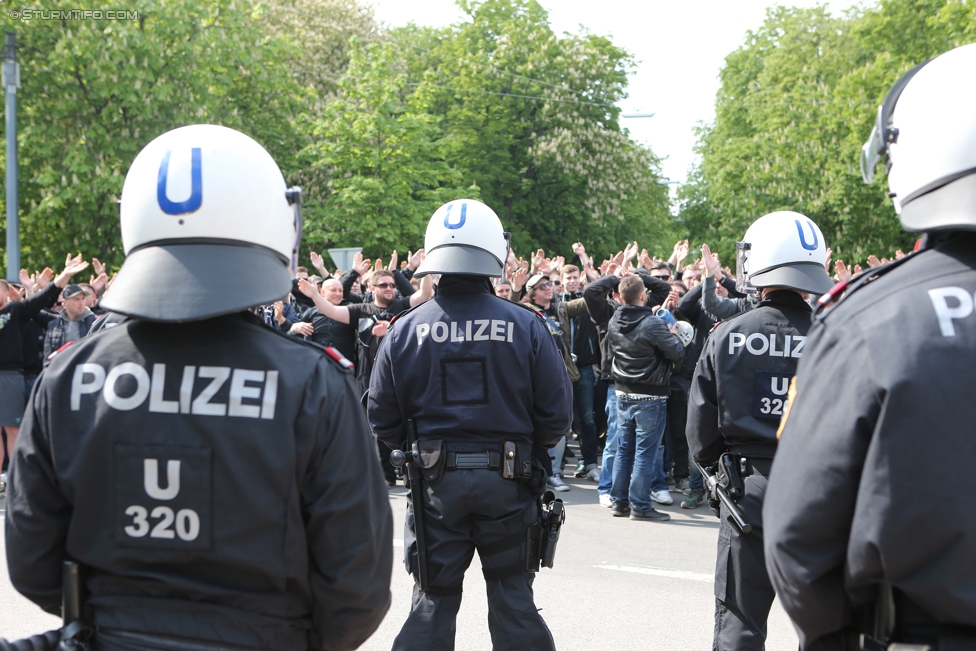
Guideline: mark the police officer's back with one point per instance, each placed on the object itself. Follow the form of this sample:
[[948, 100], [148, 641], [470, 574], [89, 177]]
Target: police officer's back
[[870, 495], [216, 478], [738, 394], [481, 377]]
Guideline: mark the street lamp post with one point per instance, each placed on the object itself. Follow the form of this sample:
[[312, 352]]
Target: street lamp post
[[11, 82]]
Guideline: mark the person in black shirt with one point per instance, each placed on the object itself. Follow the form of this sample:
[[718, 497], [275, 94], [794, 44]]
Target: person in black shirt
[[384, 290], [14, 316], [321, 329]]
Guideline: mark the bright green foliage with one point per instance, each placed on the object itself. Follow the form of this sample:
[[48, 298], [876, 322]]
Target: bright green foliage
[[378, 144], [531, 119], [95, 92], [797, 101]]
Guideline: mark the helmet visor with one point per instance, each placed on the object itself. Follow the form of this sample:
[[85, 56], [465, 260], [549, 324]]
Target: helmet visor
[[873, 149], [742, 284], [882, 135]]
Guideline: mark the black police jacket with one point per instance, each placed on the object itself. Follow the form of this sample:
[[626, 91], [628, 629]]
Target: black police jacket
[[873, 478], [470, 368], [738, 392], [217, 478], [644, 351]]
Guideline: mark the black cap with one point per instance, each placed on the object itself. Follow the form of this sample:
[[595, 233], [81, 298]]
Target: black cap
[[71, 290]]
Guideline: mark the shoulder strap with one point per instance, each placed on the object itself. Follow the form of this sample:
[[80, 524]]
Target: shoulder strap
[[844, 289]]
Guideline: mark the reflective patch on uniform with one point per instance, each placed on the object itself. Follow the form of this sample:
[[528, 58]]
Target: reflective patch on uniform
[[174, 390], [766, 344], [464, 381], [790, 397], [466, 331], [769, 394], [951, 303], [162, 497]]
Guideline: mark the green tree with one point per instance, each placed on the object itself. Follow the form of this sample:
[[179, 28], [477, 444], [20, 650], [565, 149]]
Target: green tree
[[378, 144], [796, 103], [531, 118], [95, 92]]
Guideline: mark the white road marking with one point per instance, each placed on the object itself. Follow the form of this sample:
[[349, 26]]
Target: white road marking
[[655, 571], [397, 542]]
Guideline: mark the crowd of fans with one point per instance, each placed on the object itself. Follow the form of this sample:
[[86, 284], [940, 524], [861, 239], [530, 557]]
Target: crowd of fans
[[351, 311]]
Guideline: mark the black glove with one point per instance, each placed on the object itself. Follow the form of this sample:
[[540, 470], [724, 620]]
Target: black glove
[[541, 468], [715, 505]]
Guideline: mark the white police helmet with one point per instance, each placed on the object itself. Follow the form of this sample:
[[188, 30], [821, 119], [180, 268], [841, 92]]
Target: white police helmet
[[685, 332], [464, 236], [208, 227], [927, 128], [783, 249]]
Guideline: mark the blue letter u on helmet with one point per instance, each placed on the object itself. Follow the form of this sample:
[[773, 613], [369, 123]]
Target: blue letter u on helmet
[[447, 216], [196, 185], [803, 239]]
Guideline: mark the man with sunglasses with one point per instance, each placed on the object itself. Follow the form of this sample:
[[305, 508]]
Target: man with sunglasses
[[855, 543], [384, 299]]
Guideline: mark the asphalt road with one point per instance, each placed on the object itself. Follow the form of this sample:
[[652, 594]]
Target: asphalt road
[[617, 584]]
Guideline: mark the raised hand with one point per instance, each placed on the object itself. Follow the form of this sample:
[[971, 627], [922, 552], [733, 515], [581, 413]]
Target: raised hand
[[645, 260], [393, 261], [830, 253], [519, 278], [360, 265], [44, 278], [538, 259], [841, 272], [710, 260], [99, 282], [98, 267], [630, 252], [415, 258], [318, 263], [307, 288], [579, 250], [873, 261], [682, 249]]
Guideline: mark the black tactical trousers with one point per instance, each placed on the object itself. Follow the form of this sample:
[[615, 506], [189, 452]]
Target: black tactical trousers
[[743, 592], [465, 510]]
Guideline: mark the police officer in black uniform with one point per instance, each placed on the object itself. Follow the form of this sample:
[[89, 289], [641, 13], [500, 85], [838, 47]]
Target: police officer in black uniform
[[738, 394], [217, 479], [472, 371], [870, 514]]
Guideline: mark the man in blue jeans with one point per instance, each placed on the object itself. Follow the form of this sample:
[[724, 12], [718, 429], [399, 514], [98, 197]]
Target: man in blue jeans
[[644, 351]]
